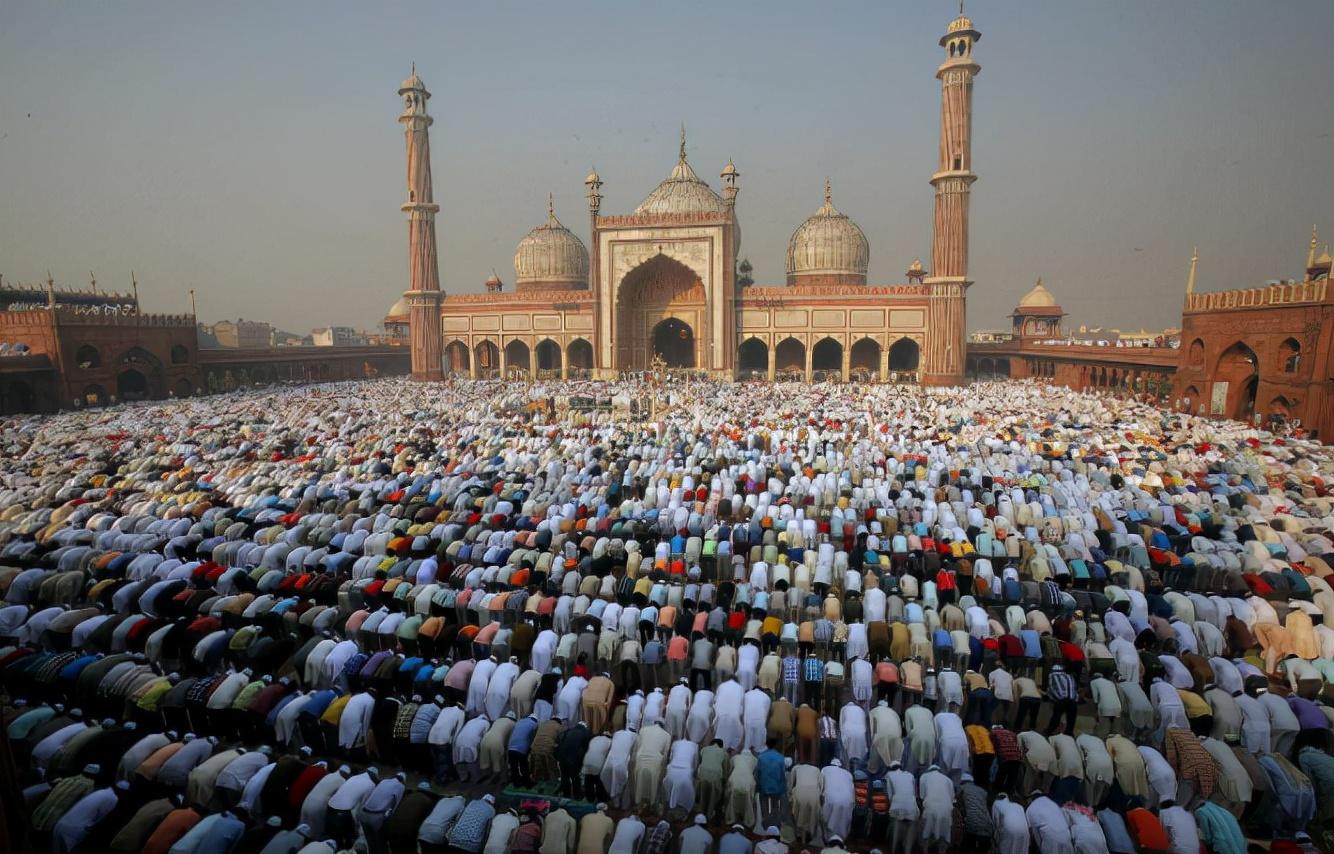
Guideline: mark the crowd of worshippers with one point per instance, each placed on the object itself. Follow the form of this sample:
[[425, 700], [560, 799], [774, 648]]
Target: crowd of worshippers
[[392, 617]]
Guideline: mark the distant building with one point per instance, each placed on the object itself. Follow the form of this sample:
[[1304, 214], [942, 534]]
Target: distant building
[[279, 338], [337, 336], [243, 334]]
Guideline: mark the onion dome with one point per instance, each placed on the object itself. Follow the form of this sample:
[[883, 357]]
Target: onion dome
[[1038, 297], [550, 257], [399, 309], [828, 248], [683, 192]]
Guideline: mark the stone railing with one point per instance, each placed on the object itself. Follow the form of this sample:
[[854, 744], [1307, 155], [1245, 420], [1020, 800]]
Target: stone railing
[[1269, 295]]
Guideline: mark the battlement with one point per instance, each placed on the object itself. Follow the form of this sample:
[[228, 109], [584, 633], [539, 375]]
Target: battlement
[[92, 317], [1300, 293]]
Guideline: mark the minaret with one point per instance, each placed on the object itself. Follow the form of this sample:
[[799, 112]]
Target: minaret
[[1190, 279], [948, 282], [424, 295], [594, 184]]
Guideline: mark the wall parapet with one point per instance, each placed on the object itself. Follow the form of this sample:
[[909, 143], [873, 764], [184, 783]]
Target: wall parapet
[[1270, 295]]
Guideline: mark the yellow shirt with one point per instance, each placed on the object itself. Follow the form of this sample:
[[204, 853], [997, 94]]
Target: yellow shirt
[[334, 713]]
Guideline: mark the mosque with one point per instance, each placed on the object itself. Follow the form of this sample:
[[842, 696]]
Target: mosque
[[658, 287]]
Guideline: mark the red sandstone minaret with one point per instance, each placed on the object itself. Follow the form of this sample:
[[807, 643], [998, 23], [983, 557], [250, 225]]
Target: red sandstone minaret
[[948, 282], [424, 295]]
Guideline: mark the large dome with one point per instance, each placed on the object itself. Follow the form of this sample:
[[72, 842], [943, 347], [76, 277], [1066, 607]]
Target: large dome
[[828, 248], [551, 256], [682, 193]]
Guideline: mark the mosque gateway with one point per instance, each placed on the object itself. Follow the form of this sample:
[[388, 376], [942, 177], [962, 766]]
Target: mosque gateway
[[657, 287]]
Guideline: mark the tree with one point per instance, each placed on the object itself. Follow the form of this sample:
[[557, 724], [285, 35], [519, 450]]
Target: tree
[[744, 268]]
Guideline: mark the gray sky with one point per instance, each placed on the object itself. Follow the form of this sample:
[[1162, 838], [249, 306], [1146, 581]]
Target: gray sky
[[251, 151]]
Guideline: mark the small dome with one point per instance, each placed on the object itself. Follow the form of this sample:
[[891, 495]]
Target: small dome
[[682, 192], [551, 255], [1039, 297], [593, 178], [828, 244], [730, 170], [1324, 260], [399, 309], [961, 23], [412, 82]]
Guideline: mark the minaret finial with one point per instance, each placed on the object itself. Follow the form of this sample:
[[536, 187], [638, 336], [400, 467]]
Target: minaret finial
[[828, 192], [1194, 261], [683, 142], [551, 206], [1310, 253]]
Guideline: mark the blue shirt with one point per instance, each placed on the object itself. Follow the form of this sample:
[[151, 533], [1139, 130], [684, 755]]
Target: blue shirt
[[215, 834], [770, 773], [521, 737]]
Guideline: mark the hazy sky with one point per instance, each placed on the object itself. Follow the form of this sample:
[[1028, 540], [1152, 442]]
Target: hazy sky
[[251, 150]]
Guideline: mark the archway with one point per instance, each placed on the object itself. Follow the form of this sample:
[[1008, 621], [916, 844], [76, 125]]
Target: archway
[[1289, 356], [1000, 369], [488, 360], [1281, 407], [456, 357], [752, 358], [1236, 381], [864, 359], [87, 357], [827, 360], [580, 356], [790, 357], [674, 343], [185, 388], [94, 395], [131, 384], [517, 357], [548, 357], [903, 356], [1195, 356], [18, 397], [660, 289]]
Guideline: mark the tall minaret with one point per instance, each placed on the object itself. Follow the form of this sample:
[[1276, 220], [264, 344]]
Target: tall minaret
[[424, 295], [948, 282]]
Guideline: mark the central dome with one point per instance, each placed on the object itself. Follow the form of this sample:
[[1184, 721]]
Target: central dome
[[550, 257], [828, 248], [682, 193]]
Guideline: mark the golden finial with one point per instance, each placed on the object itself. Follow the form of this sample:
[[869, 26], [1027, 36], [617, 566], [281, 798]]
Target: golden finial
[[828, 192], [683, 142], [1039, 284]]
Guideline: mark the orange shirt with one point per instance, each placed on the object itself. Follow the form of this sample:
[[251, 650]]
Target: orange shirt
[[169, 832]]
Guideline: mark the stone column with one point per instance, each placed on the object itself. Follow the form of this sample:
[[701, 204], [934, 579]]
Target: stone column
[[773, 362]]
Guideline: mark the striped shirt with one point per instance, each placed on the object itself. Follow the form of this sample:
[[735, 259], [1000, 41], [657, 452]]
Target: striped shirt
[[1061, 686]]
